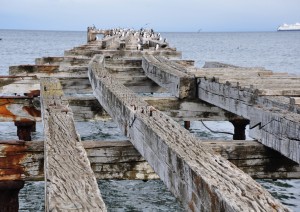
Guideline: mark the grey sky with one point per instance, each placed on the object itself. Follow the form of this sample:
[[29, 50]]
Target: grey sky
[[162, 15]]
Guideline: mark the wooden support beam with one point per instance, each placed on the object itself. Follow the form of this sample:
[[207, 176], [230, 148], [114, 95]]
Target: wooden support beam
[[65, 61], [48, 70], [171, 54], [70, 181], [275, 127], [164, 74], [109, 41], [18, 84], [109, 160], [87, 108], [189, 110], [120, 160], [295, 100], [24, 109], [257, 160], [199, 178]]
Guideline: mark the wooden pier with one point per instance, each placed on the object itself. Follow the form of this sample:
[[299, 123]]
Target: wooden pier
[[109, 78]]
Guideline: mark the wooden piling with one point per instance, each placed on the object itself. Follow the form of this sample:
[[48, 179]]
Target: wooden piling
[[24, 129], [239, 128], [9, 195]]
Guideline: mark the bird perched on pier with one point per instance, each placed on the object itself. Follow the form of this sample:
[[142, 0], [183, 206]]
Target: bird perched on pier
[[139, 47]]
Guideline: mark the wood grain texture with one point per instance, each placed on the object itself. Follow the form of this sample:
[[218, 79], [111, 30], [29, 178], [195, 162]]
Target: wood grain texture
[[70, 182], [120, 160], [275, 125], [169, 75], [202, 180]]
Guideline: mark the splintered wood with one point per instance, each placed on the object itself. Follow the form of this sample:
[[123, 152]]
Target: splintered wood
[[70, 182], [202, 180]]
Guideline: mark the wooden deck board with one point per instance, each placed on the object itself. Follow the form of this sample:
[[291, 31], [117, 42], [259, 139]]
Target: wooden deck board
[[70, 181]]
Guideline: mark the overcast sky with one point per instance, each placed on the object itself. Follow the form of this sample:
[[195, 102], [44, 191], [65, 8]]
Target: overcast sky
[[161, 15]]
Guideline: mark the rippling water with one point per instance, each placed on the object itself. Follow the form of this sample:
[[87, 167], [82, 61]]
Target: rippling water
[[272, 50]]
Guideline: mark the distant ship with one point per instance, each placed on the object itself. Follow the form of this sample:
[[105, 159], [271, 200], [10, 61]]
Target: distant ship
[[289, 27]]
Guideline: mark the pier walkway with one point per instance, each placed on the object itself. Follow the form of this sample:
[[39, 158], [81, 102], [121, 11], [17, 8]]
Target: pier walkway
[[136, 79]]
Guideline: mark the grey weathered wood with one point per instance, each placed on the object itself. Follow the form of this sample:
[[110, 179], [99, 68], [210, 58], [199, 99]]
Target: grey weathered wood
[[108, 41], [48, 70], [120, 160], [65, 61], [22, 108], [109, 160], [276, 128], [70, 182], [164, 74], [189, 110], [87, 108], [125, 53], [257, 160], [200, 179]]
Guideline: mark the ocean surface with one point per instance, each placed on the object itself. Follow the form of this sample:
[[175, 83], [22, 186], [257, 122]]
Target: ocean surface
[[277, 51]]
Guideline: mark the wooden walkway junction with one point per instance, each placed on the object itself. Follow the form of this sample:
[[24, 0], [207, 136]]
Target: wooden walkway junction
[[142, 84]]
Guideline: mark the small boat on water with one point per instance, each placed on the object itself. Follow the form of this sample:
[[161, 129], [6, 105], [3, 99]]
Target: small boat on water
[[289, 27]]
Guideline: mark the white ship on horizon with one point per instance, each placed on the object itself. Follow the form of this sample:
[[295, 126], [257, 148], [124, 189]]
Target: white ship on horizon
[[289, 27]]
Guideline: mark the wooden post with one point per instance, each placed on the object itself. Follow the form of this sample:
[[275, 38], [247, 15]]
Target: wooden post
[[9, 195], [187, 125], [239, 128], [24, 129], [90, 35]]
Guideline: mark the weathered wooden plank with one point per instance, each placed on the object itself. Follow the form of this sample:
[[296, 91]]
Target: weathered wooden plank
[[233, 72], [257, 160], [109, 160], [24, 108], [19, 108], [200, 179], [87, 108], [78, 83], [266, 123], [116, 61], [189, 110], [120, 160], [109, 41], [47, 70], [175, 81], [65, 61], [295, 100], [124, 53], [70, 182]]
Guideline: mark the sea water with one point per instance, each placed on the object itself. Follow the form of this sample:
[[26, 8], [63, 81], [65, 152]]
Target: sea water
[[277, 51]]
